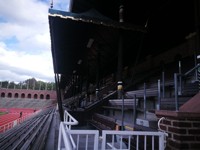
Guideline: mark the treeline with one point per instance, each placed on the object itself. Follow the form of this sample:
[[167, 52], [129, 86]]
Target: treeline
[[28, 84]]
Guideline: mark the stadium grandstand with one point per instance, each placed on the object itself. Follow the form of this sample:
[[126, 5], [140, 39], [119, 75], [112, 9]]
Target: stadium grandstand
[[127, 76], [22, 111]]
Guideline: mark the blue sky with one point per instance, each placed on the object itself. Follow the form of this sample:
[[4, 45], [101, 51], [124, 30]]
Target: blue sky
[[25, 47]]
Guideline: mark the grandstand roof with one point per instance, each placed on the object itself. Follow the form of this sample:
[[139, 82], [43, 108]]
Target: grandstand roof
[[92, 28]]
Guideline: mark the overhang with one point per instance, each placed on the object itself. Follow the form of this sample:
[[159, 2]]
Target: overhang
[[167, 22], [71, 37]]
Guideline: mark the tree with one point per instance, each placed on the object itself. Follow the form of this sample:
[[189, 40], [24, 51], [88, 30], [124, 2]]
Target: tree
[[31, 83], [4, 84]]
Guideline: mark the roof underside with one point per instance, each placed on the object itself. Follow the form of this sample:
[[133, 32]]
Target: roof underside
[[71, 33], [168, 24]]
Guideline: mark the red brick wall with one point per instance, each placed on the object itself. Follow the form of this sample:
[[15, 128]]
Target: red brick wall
[[183, 131], [40, 94]]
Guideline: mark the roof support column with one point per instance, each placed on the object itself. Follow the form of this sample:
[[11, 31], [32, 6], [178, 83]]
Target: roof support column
[[59, 99], [120, 55], [97, 75], [197, 39], [197, 25], [120, 64]]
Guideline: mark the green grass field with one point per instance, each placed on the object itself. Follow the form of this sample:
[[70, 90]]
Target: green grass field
[[3, 113]]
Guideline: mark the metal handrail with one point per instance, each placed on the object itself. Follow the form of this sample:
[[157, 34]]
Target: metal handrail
[[191, 70], [132, 135], [176, 75], [66, 141], [90, 140], [69, 120], [159, 128]]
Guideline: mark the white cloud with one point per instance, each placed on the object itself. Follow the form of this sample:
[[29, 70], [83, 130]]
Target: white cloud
[[26, 20], [25, 39], [20, 65]]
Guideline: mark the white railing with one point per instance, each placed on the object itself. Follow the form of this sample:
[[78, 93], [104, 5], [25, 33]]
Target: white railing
[[77, 139], [65, 141], [150, 140], [70, 139], [85, 139], [69, 120]]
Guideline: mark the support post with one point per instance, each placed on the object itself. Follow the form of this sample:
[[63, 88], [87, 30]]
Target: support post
[[163, 84], [159, 95], [120, 83], [60, 108], [97, 75], [197, 40], [145, 100], [198, 72], [134, 110], [122, 127], [120, 64], [176, 91], [180, 79]]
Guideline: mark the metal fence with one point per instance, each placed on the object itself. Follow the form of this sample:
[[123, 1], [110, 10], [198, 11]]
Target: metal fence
[[70, 139]]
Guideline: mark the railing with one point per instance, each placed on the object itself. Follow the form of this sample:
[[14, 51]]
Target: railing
[[178, 79], [110, 139], [6, 126], [66, 140], [69, 120], [136, 136], [13, 123], [177, 83], [85, 139]]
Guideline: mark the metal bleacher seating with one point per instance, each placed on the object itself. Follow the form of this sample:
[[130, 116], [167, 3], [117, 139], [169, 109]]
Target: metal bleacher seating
[[31, 134], [24, 103], [103, 122]]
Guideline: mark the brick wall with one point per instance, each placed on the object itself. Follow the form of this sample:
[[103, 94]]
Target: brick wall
[[183, 129], [26, 93]]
